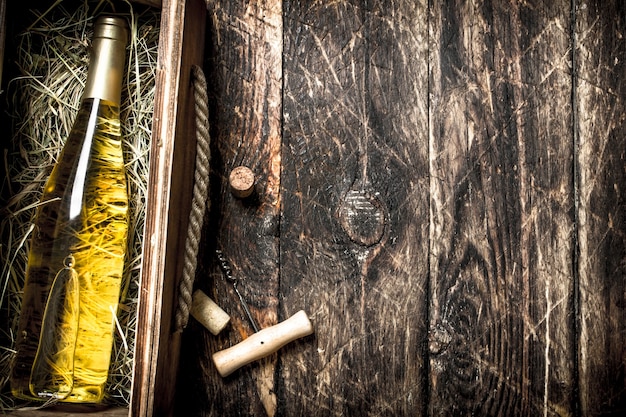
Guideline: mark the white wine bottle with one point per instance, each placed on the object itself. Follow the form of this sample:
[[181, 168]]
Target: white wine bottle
[[76, 258]]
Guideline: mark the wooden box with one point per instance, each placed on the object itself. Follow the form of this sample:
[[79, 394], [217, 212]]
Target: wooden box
[[181, 45], [169, 197], [440, 185]]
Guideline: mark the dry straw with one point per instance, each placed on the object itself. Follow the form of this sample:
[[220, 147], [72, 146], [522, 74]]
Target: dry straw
[[43, 101]]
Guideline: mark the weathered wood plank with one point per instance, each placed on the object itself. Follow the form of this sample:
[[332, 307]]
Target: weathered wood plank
[[502, 203], [245, 72], [509, 265], [601, 123], [354, 228], [172, 153]]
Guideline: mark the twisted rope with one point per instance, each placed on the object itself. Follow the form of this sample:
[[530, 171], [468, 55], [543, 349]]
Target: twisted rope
[[200, 202]]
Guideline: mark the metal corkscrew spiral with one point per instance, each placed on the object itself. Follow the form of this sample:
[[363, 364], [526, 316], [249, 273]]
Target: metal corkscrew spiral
[[228, 272]]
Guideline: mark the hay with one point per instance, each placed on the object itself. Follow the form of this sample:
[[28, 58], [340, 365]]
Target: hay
[[44, 99]]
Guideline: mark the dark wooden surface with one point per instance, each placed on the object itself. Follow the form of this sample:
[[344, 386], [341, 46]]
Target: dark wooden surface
[[440, 186], [245, 50], [502, 194], [354, 230], [601, 162]]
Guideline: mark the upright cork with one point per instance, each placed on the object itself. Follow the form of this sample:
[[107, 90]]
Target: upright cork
[[241, 181]]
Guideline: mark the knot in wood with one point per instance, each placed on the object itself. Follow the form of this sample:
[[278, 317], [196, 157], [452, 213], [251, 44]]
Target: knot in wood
[[362, 216]]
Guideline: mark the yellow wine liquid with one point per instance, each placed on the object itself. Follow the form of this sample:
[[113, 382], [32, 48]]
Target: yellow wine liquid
[[75, 266]]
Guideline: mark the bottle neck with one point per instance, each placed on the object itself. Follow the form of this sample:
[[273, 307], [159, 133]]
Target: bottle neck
[[107, 63]]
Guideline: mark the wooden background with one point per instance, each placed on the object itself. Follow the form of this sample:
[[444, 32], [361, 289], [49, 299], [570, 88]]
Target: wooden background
[[441, 186]]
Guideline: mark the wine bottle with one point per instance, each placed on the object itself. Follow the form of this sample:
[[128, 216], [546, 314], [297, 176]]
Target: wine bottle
[[77, 248]]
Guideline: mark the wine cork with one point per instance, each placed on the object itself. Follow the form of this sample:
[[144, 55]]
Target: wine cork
[[209, 314], [241, 181]]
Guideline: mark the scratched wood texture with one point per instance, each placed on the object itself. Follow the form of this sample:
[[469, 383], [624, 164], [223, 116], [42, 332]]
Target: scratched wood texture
[[601, 122], [354, 230], [441, 187], [502, 194], [245, 74]]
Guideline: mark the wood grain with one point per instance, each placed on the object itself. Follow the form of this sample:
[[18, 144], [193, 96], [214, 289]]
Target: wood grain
[[440, 188], [244, 68], [172, 154], [501, 141], [601, 125], [354, 225]]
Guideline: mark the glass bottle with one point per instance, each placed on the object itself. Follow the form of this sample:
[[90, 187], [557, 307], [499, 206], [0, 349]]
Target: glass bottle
[[77, 249]]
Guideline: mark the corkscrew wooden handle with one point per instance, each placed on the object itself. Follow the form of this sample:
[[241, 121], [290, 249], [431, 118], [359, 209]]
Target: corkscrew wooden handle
[[263, 343]]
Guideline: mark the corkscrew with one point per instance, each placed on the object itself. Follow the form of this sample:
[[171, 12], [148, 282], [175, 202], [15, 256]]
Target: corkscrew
[[263, 342], [228, 272]]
